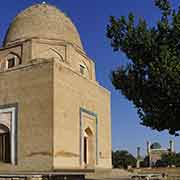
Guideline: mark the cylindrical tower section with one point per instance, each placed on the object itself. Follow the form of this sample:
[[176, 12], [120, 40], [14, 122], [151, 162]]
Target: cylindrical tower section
[[138, 153], [148, 148], [149, 153], [171, 146]]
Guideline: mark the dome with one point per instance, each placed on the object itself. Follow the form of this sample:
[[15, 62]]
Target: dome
[[156, 145], [42, 21]]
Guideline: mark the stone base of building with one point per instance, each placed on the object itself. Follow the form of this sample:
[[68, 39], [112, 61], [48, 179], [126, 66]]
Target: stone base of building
[[44, 177]]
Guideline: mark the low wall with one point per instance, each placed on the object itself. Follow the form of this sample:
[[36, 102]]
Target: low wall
[[49, 177]]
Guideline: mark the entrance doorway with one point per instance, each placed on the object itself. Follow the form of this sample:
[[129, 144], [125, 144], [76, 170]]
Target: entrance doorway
[[8, 134], [5, 145], [85, 150], [89, 157]]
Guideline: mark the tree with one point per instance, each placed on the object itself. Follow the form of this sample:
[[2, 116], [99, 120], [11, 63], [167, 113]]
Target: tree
[[177, 160], [167, 160], [122, 159], [151, 78], [145, 162]]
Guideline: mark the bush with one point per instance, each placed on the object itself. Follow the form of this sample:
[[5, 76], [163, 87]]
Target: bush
[[123, 159]]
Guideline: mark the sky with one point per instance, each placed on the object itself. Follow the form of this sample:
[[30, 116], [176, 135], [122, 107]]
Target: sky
[[91, 18]]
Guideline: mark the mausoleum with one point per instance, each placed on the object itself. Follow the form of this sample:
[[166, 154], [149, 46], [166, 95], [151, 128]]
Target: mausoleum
[[155, 152], [54, 115]]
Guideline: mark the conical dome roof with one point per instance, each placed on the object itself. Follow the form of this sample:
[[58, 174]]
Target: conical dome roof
[[42, 21]]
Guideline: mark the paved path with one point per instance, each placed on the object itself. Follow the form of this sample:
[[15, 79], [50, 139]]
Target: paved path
[[114, 178]]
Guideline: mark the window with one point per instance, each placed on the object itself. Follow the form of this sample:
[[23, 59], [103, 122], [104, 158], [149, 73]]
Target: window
[[82, 69], [12, 60], [11, 63]]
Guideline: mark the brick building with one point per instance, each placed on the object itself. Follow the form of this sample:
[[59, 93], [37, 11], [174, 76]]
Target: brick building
[[54, 115]]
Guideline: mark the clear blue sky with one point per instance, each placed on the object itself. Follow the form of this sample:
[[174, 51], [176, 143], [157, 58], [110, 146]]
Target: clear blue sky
[[91, 18]]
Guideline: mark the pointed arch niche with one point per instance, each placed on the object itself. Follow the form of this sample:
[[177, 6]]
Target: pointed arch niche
[[8, 134], [52, 53], [88, 138], [89, 147]]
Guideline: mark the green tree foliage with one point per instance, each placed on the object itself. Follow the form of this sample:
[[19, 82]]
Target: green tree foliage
[[122, 159], [145, 162], [177, 160], [167, 160], [151, 78]]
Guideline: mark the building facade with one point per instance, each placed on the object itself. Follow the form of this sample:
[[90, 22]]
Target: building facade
[[155, 152], [54, 115]]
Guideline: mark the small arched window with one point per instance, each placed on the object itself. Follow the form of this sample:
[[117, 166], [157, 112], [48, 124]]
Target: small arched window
[[11, 63], [12, 60], [83, 70]]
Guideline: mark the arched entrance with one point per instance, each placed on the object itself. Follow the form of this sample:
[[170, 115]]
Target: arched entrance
[[88, 148], [5, 145]]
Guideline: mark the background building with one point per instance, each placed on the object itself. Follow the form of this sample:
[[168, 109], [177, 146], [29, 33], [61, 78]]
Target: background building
[[155, 151]]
